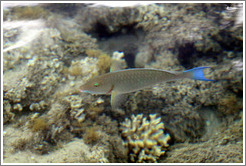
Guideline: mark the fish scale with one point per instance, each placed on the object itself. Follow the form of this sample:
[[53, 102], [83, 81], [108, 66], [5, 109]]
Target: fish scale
[[120, 82]]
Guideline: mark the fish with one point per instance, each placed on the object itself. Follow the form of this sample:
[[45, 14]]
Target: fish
[[120, 82]]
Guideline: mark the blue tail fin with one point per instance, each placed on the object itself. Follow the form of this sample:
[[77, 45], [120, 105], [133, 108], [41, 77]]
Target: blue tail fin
[[197, 74]]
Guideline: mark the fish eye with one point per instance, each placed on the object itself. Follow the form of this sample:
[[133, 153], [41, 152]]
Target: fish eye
[[96, 84]]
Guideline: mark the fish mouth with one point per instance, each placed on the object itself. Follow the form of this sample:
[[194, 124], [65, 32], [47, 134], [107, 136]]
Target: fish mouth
[[82, 88], [84, 91]]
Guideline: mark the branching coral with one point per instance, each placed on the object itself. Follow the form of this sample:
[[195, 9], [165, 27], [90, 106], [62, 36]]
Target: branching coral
[[145, 139]]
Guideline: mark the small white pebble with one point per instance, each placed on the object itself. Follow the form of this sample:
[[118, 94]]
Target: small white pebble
[[99, 101], [57, 65], [34, 106], [55, 60], [28, 56], [18, 107], [63, 79], [72, 83], [31, 62]]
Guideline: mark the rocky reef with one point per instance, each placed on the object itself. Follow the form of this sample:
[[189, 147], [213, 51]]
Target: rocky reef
[[50, 50]]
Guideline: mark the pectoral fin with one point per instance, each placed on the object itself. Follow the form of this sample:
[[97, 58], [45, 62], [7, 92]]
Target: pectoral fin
[[111, 89], [117, 99]]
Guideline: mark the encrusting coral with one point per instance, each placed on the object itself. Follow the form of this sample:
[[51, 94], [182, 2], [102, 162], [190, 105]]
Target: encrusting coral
[[145, 139], [227, 147]]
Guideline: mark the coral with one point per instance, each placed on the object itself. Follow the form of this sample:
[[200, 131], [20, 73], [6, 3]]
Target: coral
[[104, 60], [113, 35], [46, 60], [58, 121], [192, 32], [64, 9], [75, 69], [39, 76], [77, 111], [159, 22], [117, 63], [104, 63], [33, 145], [20, 144], [145, 139], [162, 23], [81, 69], [230, 104], [102, 132], [109, 135], [205, 153], [8, 115], [223, 146], [33, 71], [20, 138], [183, 124], [182, 100], [144, 56], [50, 41], [74, 46], [75, 151], [196, 94], [91, 135], [21, 34], [42, 68], [75, 41], [93, 53], [18, 107], [29, 12], [181, 114], [38, 106], [153, 17], [94, 111], [102, 19], [39, 124]]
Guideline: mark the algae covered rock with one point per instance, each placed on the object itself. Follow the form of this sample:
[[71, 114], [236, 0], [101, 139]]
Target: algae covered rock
[[51, 49]]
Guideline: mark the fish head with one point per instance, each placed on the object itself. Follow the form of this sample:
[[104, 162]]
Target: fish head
[[96, 86]]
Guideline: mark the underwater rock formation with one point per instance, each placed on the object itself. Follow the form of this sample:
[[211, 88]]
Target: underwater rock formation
[[51, 49]]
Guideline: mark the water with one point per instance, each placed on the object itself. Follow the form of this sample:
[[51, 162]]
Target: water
[[50, 50]]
